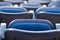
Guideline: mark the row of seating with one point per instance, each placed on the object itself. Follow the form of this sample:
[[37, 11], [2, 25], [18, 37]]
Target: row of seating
[[7, 3], [52, 14], [10, 13], [16, 25], [24, 27], [29, 6]]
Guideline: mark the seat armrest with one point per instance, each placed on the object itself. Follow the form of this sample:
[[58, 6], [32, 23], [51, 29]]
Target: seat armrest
[[2, 29]]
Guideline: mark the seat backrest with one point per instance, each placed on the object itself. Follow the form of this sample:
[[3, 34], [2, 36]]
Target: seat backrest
[[7, 15], [30, 24], [39, 1], [14, 1], [23, 29], [52, 14], [57, 4], [48, 9], [5, 4], [16, 34], [12, 10], [31, 6]]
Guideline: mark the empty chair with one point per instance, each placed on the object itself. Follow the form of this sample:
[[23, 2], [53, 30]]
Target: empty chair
[[16, 34], [12, 10], [56, 4], [5, 4], [28, 24], [28, 29], [15, 1], [31, 6], [42, 2], [9, 14], [52, 14]]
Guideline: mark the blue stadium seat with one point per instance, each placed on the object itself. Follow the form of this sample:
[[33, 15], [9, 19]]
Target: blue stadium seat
[[52, 14], [16, 34], [31, 6], [13, 10], [32, 25], [15, 1], [9, 14], [50, 10], [56, 4], [23, 29], [5, 4]]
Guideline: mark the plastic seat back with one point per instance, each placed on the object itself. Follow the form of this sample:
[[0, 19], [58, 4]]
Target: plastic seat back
[[52, 14], [9, 14], [30, 30]]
